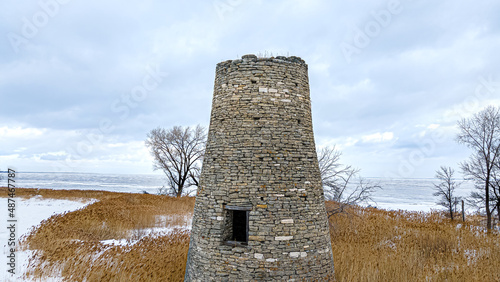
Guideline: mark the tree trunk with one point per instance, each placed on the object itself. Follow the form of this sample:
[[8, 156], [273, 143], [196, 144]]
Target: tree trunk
[[487, 199], [451, 212], [463, 211], [179, 191], [498, 210]]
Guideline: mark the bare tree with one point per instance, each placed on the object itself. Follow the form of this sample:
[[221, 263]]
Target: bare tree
[[332, 171], [475, 168], [342, 183], [178, 152], [446, 189], [495, 188], [481, 133]]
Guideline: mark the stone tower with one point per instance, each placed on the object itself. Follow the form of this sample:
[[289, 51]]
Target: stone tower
[[260, 211]]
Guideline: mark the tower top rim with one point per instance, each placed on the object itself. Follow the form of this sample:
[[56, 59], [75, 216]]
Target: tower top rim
[[254, 58]]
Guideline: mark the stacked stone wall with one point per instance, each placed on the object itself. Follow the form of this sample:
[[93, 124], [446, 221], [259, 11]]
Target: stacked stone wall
[[261, 154]]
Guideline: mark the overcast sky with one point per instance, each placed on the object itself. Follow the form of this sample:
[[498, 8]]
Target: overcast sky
[[83, 82]]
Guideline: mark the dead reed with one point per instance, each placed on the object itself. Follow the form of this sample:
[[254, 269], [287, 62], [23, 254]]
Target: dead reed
[[76, 195], [368, 244], [71, 245], [379, 245], [152, 258]]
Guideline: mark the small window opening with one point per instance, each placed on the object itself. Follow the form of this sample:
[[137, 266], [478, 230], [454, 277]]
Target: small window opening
[[236, 226], [240, 224]]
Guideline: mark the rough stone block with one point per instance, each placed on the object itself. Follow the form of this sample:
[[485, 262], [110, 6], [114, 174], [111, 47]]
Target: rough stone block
[[283, 238]]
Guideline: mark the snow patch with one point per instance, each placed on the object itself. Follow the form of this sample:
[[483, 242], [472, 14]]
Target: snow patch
[[29, 214]]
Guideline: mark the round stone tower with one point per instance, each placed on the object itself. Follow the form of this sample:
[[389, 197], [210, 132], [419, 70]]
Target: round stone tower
[[260, 211]]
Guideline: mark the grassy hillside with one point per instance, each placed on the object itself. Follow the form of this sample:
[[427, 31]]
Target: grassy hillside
[[368, 244]]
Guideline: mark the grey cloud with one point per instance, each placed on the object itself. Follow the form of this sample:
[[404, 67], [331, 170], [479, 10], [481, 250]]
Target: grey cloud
[[91, 54]]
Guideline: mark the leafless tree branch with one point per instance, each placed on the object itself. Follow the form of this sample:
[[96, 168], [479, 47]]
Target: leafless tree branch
[[178, 152], [342, 183], [481, 133], [445, 189]]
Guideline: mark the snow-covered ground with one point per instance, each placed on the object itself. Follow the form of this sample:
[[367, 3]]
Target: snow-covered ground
[[162, 228], [29, 213]]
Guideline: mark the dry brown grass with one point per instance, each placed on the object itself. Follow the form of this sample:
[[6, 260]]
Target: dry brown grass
[[368, 245], [69, 245], [152, 258], [75, 195], [378, 245]]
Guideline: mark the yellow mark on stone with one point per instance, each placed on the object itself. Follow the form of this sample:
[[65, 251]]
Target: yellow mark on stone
[[256, 238]]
